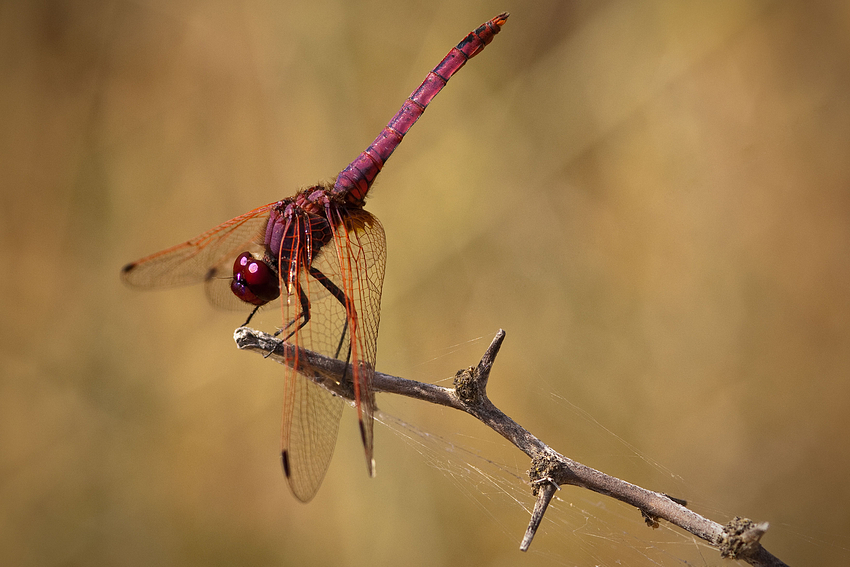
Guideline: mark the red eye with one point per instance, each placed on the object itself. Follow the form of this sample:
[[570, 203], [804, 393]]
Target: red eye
[[254, 281]]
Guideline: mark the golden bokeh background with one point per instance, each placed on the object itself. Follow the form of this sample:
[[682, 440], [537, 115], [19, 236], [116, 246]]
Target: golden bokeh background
[[652, 199]]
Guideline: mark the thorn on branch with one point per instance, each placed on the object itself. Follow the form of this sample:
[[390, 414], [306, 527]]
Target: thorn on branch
[[545, 489], [483, 369]]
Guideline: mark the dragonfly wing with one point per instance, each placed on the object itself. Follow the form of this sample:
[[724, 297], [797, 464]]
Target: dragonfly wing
[[310, 427], [311, 414], [205, 258], [343, 285], [361, 249]]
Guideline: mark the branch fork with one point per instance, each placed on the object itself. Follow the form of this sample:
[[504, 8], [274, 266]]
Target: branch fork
[[739, 539]]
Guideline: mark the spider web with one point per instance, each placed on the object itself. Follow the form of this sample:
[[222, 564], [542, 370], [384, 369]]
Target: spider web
[[579, 528]]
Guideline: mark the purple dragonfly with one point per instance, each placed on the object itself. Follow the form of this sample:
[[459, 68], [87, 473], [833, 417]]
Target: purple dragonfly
[[323, 255]]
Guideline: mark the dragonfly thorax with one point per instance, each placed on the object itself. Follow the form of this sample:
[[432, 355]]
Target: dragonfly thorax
[[296, 231]]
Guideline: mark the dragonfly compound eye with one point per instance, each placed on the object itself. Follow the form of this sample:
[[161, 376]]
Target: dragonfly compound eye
[[254, 281]]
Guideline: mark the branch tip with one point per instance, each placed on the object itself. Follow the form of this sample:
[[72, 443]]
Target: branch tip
[[486, 363]]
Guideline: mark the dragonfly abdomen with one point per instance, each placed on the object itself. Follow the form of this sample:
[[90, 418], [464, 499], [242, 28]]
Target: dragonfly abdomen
[[354, 181]]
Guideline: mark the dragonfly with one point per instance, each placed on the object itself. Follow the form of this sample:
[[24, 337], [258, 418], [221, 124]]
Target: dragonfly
[[322, 255]]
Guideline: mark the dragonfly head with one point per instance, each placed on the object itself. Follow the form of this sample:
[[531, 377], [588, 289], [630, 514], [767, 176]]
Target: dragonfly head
[[254, 281]]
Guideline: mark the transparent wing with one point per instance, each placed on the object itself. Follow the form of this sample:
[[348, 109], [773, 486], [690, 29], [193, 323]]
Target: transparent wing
[[361, 247], [206, 258], [310, 436], [343, 286]]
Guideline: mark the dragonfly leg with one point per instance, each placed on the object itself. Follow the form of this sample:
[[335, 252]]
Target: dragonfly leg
[[341, 297], [251, 316], [304, 316]]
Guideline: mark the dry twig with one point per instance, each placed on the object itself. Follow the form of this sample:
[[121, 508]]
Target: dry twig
[[739, 539]]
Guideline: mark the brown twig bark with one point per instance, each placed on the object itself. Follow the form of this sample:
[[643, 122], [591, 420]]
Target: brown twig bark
[[739, 539]]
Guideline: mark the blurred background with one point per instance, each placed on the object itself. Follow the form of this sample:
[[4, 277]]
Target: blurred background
[[652, 200]]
